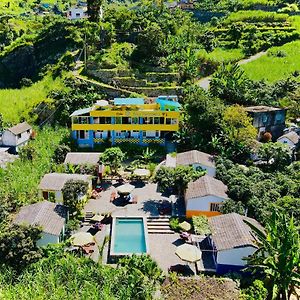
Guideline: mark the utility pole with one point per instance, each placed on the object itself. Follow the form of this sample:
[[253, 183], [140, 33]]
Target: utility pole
[[85, 52]]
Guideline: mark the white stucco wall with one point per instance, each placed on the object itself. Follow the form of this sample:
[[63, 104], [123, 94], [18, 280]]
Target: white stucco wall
[[202, 203], [47, 238], [9, 139], [76, 13], [58, 195], [286, 141], [234, 256], [210, 170]]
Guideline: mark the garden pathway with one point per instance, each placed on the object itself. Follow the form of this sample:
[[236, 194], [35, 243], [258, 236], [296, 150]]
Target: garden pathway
[[204, 82]]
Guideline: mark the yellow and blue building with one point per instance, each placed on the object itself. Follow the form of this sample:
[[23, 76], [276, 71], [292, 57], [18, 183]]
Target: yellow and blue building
[[133, 120]]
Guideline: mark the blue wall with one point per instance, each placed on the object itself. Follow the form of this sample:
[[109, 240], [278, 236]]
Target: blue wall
[[223, 269]]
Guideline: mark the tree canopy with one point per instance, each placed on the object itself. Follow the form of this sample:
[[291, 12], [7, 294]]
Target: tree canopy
[[278, 254]]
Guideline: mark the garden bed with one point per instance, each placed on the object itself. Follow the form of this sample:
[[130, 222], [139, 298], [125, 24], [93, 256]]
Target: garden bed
[[203, 288]]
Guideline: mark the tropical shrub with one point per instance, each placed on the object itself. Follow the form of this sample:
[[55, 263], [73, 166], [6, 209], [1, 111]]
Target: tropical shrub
[[278, 254], [18, 247], [113, 157], [200, 224], [74, 193], [256, 291]]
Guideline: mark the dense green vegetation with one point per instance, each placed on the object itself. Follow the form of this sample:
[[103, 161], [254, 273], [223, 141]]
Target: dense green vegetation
[[19, 181], [18, 104], [145, 44], [63, 276]]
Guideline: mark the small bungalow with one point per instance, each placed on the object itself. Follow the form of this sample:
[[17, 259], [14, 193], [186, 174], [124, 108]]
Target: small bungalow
[[186, 4], [291, 138], [232, 241], [193, 158], [16, 136], [52, 184], [82, 158], [77, 13], [268, 119], [205, 196], [51, 217]]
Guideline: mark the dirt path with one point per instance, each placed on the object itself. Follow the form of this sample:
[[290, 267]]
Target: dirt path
[[204, 82]]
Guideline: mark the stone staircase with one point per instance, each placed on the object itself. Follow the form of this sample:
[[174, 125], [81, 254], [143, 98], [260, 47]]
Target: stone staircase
[[159, 225], [87, 218]]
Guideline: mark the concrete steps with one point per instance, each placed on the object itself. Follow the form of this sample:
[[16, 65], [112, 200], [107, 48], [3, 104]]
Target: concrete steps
[[159, 225]]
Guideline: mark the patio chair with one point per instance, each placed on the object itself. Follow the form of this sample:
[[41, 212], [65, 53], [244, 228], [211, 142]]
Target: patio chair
[[113, 196]]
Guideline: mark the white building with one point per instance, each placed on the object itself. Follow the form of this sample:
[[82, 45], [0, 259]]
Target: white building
[[291, 138], [51, 217], [232, 241], [52, 184], [193, 158], [16, 136], [205, 196], [77, 13]]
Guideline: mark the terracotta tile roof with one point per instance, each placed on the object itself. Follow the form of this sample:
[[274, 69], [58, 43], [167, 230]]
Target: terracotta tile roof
[[56, 181], [230, 231], [194, 157], [204, 186], [292, 136], [50, 216], [82, 158], [19, 128]]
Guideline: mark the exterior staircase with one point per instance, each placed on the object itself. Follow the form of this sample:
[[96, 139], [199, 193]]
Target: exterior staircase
[[87, 218], [159, 225]]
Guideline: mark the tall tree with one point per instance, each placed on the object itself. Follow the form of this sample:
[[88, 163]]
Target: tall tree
[[278, 255], [73, 194], [94, 7], [230, 83], [203, 116], [277, 155], [238, 125], [113, 157]]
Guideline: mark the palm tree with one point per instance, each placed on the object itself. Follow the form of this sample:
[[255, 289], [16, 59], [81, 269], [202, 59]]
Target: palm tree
[[94, 7], [278, 255]]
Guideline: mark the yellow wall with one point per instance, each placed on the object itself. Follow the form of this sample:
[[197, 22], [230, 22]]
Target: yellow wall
[[191, 213], [151, 127]]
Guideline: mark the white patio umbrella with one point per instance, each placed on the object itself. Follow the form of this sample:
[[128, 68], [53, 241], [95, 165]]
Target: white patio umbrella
[[188, 253], [125, 188], [141, 172], [82, 239]]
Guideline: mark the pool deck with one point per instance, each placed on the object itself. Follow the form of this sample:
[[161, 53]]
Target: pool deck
[[148, 201], [162, 250], [162, 247]]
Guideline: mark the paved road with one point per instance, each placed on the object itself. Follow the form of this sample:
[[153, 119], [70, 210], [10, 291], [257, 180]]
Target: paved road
[[204, 82]]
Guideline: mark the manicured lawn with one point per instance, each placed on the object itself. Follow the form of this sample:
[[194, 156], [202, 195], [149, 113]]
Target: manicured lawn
[[16, 104], [272, 67]]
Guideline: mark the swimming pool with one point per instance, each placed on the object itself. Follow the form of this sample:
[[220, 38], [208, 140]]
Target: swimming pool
[[129, 236]]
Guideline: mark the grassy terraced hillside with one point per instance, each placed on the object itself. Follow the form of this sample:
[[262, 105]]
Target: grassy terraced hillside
[[279, 63], [16, 104]]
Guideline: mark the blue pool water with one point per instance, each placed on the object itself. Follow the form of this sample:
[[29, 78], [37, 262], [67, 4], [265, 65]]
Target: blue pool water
[[129, 236]]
